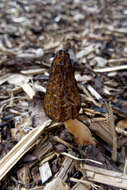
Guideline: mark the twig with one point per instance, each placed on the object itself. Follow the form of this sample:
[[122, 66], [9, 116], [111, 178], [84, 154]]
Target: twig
[[111, 69], [80, 159], [121, 60], [88, 95], [84, 182], [125, 167], [94, 92], [121, 131], [112, 29], [58, 139]]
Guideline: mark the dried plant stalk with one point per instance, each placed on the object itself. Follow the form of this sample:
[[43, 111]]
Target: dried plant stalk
[[111, 69], [20, 149], [114, 135]]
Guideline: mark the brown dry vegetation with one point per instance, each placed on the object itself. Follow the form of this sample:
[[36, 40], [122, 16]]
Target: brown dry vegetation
[[39, 154]]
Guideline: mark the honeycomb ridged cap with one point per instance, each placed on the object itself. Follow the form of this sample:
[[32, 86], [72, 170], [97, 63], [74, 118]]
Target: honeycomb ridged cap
[[62, 98]]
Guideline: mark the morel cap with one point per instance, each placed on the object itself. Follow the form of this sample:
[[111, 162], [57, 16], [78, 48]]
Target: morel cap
[[62, 98]]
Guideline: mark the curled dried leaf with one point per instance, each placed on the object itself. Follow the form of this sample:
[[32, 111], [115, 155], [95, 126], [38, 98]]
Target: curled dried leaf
[[80, 131]]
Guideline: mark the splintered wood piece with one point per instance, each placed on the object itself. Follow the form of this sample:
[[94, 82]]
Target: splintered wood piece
[[62, 99], [80, 131], [56, 184], [80, 186], [45, 172], [23, 174], [84, 184], [66, 167], [104, 176]]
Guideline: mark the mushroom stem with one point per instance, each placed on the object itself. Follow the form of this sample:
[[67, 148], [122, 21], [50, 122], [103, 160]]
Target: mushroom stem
[[80, 131]]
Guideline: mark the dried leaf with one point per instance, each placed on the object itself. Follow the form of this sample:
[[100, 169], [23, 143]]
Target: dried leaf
[[80, 131], [122, 124]]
